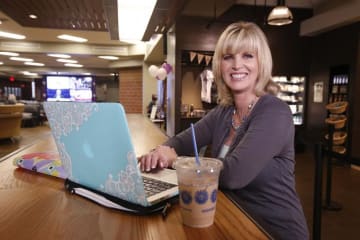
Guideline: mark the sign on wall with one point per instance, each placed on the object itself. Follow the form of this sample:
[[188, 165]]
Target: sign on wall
[[318, 92]]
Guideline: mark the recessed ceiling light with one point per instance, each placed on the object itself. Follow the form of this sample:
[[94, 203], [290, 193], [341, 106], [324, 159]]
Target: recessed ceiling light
[[57, 55], [66, 60], [72, 38], [72, 65], [109, 57], [34, 64], [21, 59], [33, 16], [12, 54], [29, 73], [1, 63], [11, 35]]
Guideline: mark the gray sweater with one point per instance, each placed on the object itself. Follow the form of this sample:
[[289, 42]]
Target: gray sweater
[[259, 167]]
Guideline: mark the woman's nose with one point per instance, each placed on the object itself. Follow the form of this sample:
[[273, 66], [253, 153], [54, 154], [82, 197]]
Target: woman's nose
[[237, 62]]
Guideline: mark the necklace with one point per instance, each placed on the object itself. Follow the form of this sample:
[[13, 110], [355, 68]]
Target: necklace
[[236, 126]]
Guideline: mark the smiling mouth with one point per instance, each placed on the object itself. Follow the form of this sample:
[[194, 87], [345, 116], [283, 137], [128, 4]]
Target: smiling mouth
[[238, 76]]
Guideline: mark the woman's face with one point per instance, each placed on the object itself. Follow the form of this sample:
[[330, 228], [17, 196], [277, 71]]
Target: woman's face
[[240, 71]]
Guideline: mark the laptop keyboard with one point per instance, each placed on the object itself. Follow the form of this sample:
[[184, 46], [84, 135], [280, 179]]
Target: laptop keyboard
[[153, 186]]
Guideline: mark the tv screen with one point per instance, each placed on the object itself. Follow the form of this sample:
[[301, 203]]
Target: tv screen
[[70, 88]]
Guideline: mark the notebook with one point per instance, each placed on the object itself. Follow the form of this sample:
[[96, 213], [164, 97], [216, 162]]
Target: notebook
[[42, 162], [95, 147]]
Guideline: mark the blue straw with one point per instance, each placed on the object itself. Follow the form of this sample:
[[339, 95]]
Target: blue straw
[[194, 143]]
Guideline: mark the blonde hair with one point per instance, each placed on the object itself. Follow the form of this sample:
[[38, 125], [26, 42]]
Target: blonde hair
[[244, 36]]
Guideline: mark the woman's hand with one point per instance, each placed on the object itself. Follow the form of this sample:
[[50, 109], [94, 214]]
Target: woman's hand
[[160, 157]]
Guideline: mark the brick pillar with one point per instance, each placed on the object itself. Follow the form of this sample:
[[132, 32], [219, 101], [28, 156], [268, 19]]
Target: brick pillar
[[130, 89]]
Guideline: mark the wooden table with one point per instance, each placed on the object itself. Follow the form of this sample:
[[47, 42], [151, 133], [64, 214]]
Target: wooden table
[[36, 206]]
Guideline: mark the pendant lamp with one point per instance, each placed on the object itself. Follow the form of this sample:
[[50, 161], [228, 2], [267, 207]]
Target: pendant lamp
[[280, 15]]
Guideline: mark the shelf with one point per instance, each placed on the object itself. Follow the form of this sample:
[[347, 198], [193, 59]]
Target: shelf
[[294, 103], [292, 92], [338, 92], [297, 113]]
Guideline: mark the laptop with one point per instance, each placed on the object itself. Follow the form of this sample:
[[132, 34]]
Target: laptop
[[95, 147]]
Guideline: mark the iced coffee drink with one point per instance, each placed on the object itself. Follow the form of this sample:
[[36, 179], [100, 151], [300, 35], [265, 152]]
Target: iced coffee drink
[[198, 186]]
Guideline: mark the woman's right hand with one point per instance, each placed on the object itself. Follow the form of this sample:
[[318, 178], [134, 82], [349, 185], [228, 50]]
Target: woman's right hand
[[160, 157]]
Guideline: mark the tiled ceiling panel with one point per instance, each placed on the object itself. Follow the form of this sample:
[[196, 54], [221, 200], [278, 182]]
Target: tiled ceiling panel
[[59, 14]]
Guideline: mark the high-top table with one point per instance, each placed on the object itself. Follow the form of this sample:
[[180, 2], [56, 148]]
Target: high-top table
[[36, 206]]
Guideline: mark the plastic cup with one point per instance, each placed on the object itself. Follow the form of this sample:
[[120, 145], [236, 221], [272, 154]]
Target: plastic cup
[[198, 186]]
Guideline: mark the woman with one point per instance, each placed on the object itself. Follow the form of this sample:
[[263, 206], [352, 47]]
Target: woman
[[251, 131]]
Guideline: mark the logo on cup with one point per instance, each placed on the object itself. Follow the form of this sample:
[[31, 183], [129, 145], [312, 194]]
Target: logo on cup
[[213, 195], [185, 197], [201, 196]]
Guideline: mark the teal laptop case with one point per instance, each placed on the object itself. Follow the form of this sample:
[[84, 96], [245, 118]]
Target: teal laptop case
[[95, 147]]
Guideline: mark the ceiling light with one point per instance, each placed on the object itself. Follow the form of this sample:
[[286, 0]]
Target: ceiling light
[[133, 18], [33, 16], [29, 73], [59, 55], [72, 65], [11, 35], [109, 57], [1, 63], [12, 54], [66, 60], [34, 64], [21, 59], [72, 38], [280, 15]]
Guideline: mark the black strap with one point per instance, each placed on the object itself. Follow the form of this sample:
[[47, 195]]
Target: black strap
[[136, 209]]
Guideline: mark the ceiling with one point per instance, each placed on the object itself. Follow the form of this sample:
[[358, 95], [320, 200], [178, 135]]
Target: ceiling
[[95, 20]]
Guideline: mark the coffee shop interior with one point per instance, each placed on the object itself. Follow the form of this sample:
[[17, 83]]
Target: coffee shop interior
[[316, 64]]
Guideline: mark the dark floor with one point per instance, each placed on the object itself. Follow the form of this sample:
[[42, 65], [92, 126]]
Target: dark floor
[[345, 189]]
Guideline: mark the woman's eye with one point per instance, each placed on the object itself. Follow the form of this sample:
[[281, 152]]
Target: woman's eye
[[248, 55], [227, 56]]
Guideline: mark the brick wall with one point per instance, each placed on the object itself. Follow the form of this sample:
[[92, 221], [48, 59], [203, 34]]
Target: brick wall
[[130, 89]]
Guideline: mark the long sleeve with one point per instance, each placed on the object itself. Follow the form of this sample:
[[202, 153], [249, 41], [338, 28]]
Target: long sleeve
[[266, 135], [259, 166]]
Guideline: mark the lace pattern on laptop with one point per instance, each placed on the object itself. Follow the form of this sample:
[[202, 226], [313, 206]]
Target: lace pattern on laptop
[[74, 121], [127, 184], [153, 186]]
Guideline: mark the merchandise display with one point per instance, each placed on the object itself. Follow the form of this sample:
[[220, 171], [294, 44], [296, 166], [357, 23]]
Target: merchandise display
[[292, 92], [337, 108]]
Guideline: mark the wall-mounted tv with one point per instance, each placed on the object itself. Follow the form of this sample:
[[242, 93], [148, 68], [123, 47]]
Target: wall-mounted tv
[[70, 88]]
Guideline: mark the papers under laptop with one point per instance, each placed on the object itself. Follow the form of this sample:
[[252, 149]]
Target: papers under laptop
[[95, 147]]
